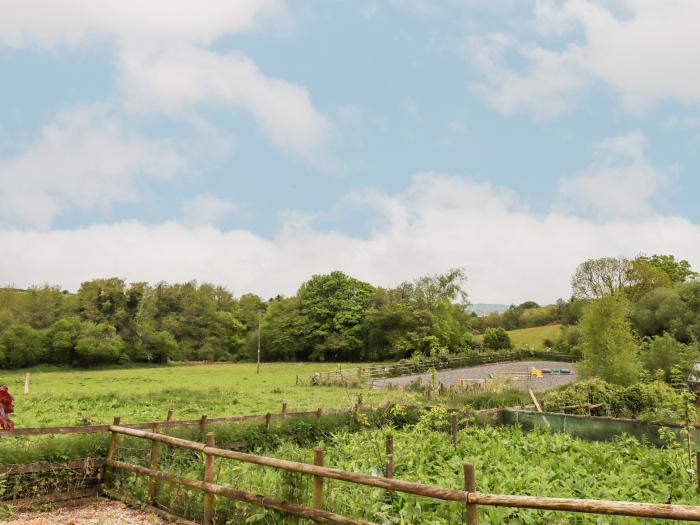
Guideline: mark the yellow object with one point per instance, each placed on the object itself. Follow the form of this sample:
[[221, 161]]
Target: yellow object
[[536, 372]]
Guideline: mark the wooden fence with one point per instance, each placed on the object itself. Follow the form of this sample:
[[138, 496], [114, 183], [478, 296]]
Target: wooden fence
[[469, 496], [367, 373]]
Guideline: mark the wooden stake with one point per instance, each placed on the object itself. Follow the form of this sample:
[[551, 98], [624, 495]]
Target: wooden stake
[[284, 407], [318, 480], [169, 417], [26, 383], [113, 439], [470, 486], [453, 428], [268, 420], [534, 400], [153, 465], [318, 416], [203, 427], [209, 499]]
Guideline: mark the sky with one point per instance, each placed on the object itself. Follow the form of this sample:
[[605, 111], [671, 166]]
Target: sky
[[258, 142]]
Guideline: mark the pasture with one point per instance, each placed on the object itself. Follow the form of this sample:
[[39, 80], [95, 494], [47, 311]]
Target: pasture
[[60, 396], [531, 337]]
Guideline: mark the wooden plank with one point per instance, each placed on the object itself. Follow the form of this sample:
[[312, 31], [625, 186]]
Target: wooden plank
[[56, 497], [50, 467], [153, 463], [317, 515], [470, 486], [318, 480], [534, 400]]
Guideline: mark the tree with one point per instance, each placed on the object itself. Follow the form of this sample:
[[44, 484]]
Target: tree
[[609, 348], [62, 338], [677, 271], [22, 346], [596, 278], [155, 345], [98, 344], [333, 307], [497, 339], [663, 353]]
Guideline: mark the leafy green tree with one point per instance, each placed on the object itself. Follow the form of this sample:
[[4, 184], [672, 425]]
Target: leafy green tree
[[609, 348], [663, 353], [98, 344], [677, 271], [596, 278], [62, 338], [333, 307], [157, 346], [284, 332], [22, 346], [497, 339]]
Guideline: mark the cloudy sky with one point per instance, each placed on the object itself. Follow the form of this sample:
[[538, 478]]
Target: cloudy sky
[[254, 143]]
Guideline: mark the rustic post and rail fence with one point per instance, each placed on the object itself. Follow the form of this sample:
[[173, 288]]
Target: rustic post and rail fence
[[469, 496]]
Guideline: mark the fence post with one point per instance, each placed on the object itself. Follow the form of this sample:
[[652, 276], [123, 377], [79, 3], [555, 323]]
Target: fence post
[[209, 499], [318, 416], [153, 465], [389, 460], [168, 419], [268, 420], [26, 383], [284, 407], [318, 480], [113, 439], [470, 486], [453, 428], [203, 427]]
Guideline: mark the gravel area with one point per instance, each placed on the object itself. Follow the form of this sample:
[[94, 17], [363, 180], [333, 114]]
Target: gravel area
[[518, 370], [94, 512]]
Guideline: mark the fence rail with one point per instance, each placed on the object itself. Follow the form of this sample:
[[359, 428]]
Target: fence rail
[[469, 497], [366, 373]]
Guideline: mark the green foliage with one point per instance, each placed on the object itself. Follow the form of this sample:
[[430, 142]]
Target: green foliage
[[677, 271], [497, 339], [21, 346], [664, 353], [608, 346], [98, 344], [653, 401]]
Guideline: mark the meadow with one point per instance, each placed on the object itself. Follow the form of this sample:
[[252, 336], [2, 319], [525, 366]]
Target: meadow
[[531, 337], [61, 396]]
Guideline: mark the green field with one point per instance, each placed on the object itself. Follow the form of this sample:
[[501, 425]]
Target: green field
[[533, 337], [71, 397]]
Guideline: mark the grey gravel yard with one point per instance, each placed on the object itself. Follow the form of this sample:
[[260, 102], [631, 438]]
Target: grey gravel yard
[[514, 369]]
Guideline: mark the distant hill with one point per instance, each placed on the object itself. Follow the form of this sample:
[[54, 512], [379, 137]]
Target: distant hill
[[485, 308]]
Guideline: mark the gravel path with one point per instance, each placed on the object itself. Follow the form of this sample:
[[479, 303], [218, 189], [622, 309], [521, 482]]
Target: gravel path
[[95, 512], [498, 370]]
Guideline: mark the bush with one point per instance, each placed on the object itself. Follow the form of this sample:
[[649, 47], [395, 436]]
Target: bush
[[22, 346], [497, 339]]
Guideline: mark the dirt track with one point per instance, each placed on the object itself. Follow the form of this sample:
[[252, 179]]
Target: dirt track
[[497, 370]]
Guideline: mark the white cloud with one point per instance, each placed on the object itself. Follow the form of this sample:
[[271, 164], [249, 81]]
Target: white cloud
[[545, 89], [164, 62], [176, 78], [623, 182], [510, 253], [77, 22], [645, 50], [84, 160], [206, 210]]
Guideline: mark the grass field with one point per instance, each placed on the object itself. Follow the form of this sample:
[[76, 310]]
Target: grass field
[[533, 337], [71, 397]]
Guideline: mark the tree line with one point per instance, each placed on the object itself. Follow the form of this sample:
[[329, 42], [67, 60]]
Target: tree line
[[332, 317]]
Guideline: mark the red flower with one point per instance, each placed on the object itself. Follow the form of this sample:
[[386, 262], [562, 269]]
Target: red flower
[[6, 409]]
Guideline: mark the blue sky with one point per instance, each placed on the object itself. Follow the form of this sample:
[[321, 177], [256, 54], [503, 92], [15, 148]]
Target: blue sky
[[257, 142]]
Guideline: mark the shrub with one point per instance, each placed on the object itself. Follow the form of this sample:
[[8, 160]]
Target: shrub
[[497, 339]]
